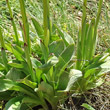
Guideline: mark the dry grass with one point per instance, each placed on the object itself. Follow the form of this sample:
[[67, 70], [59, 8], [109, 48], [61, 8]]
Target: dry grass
[[98, 98]]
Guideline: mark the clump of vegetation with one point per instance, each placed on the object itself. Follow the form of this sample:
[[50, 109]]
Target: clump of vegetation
[[41, 70]]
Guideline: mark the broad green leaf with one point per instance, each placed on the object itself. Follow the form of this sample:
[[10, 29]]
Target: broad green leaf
[[38, 27], [19, 49], [17, 54], [87, 106], [38, 74], [46, 88], [53, 60], [63, 78], [15, 74], [48, 94], [2, 67], [73, 77], [6, 84], [14, 103], [64, 59], [90, 72], [9, 47], [26, 68], [16, 65], [29, 83], [45, 67], [45, 51], [56, 47], [35, 62], [31, 100], [68, 38], [16, 50], [24, 89], [65, 36]]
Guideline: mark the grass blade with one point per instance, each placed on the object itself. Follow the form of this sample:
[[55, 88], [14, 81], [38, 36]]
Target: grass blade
[[13, 23], [96, 24]]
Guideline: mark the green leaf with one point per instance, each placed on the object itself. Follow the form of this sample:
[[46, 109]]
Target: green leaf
[[9, 47], [46, 88], [26, 68], [24, 89], [87, 106], [38, 27], [31, 100], [89, 72], [38, 74], [48, 94], [6, 95], [35, 62], [6, 84], [2, 67], [65, 36], [17, 54], [68, 38], [56, 47], [63, 78], [45, 51], [14, 103], [95, 83], [74, 76], [29, 83], [16, 65], [15, 74], [64, 59], [19, 49]]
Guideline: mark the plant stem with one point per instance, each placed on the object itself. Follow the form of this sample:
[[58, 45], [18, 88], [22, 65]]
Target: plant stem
[[13, 23], [25, 24], [46, 21], [4, 58], [96, 24], [26, 37], [83, 36]]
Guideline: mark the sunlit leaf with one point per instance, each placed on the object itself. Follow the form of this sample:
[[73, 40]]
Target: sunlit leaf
[[14, 103]]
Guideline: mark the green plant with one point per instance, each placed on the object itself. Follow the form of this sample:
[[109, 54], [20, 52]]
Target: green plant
[[13, 23], [87, 37], [33, 90], [30, 82], [87, 106]]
